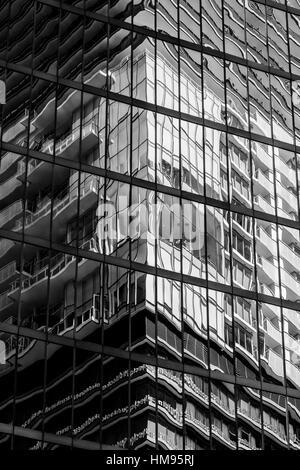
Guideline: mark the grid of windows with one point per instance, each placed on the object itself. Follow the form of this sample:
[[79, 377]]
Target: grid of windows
[[150, 224]]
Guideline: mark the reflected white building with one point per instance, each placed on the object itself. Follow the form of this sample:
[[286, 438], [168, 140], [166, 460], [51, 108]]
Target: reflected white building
[[213, 325]]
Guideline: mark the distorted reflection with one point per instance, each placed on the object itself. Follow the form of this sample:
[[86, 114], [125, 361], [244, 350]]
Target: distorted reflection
[[150, 205]]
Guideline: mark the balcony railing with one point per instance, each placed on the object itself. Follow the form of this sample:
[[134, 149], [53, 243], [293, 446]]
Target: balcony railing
[[263, 205], [291, 283], [264, 183], [283, 168], [8, 271], [61, 200], [287, 196], [5, 301], [289, 254], [89, 311], [272, 330], [274, 360], [264, 157], [5, 245], [267, 242], [10, 212], [7, 160], [71, 136], [50, 266], [8, 187], [12, 345], [247, 444]]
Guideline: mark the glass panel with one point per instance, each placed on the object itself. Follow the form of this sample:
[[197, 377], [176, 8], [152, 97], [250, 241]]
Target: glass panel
[[256, 32], [212, 29], [223, 416], [274, 421], [197, 421], [234, 27], [250, 432], [291, 328]]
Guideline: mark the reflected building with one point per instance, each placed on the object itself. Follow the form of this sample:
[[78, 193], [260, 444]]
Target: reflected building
[[149, 219]]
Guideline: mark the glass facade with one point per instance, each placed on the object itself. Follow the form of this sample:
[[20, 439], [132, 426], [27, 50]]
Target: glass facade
[[149, 224]]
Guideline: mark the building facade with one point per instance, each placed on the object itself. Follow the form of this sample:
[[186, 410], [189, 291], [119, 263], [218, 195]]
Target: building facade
[[149, 223]]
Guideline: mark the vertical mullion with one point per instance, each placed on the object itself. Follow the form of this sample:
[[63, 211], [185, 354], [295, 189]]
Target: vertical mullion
[[253, 225], [298, 204], [156, 225], [104, 267], [210, 420], [229, 193], [129, 272], [50, 236], [277, 237], [15, 381], [181, 233], [77, 259]]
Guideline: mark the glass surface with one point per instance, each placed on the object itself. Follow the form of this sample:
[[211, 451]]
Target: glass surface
[[149, 216]]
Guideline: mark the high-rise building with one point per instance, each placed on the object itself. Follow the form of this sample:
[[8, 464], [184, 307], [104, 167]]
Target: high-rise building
[[149, 223]]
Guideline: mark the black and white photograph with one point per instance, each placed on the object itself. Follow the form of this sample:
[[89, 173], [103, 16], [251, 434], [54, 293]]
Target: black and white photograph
[[150, 228]]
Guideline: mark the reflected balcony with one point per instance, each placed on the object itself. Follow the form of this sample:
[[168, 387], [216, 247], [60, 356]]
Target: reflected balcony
[[267, 272], [11, 189], [79, 139], [40, 171], [87, 313], [64, 209], [7, 306], [293, 316], [88, 318], [73, 146], [248, 355], [288, 197], [273, 432], [289, 235], [290, 257], [62, 269], [261, 204], [245, 445], [262, 185], [285, 170], [291, 284], [72, 100], [266, 290], [274, 361], [273, 335], [269, 310], [259, 123], [249, 325], [10, 214], [244, 413], [6, 162], [223, 437], [8, 274], [265, 245], [293, 345], [165, 441], [8, 250], [262, 158], [293, 373]]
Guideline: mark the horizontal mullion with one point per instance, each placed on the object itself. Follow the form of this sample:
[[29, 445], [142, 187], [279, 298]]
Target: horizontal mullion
[[149, 360], [177, 41], [148, 269], [150, 107], [150, 185], [50, 438]]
